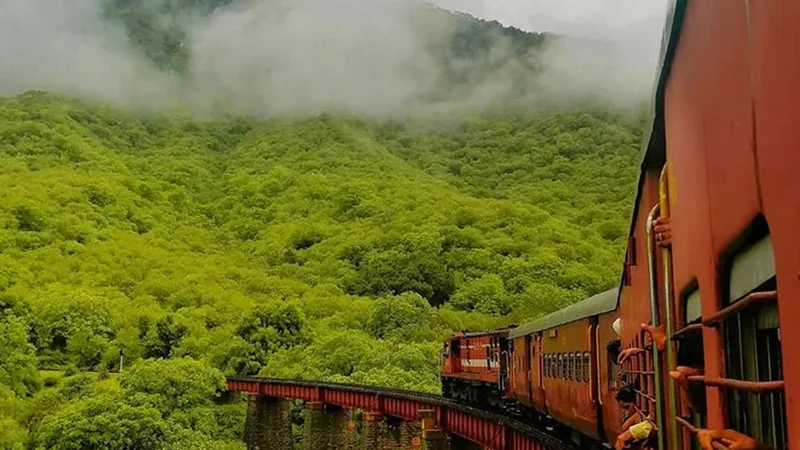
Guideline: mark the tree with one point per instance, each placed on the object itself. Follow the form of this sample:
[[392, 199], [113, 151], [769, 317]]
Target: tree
[[17, 358], [396, 312], [486, 294], [164, 338], [176, 383], [103, 422]]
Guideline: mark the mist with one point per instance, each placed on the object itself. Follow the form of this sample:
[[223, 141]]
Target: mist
[[372, 57], [64, 47]]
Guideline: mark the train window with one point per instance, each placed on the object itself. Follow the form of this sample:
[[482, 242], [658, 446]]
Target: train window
[[586, 371], [547, 366], [560, 367], [572, 366], [554, 366], [753, 348], [692, 307], [578, 367], [568, 362]]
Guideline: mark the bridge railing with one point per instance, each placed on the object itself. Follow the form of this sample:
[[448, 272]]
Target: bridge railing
[[492, 430]]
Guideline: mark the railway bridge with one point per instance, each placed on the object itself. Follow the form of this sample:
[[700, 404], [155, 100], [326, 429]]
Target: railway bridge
[[350, 417]]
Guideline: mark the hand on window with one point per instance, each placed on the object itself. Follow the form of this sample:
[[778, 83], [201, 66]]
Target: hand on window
[[663, 231], [657, 335], [730, 438], [627, 354], [681, 375]]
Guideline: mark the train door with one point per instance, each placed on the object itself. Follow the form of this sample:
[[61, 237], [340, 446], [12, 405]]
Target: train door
[[522, 358], [537, 384], [504, 354], [455, 352]]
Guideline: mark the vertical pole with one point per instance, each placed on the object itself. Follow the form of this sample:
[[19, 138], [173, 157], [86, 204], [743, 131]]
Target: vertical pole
[[654, 318], [666, 260]]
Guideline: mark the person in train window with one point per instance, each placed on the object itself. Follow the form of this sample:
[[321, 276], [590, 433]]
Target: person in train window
[[635, 426], [613, 349], [626, 397], [644, 431]]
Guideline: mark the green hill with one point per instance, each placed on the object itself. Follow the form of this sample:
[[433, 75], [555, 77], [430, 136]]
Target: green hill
[[326, 247]]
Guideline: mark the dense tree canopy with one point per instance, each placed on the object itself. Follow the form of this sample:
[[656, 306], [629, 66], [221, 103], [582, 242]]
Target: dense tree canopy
[[329, 247]]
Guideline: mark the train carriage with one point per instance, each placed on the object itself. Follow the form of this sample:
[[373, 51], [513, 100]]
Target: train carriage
[[557, 362], [714, 250], [713, 255], [474, 367]]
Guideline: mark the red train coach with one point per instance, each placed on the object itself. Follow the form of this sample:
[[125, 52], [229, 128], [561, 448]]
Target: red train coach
[[561, 371], [713, 255], [474, 367], [714, 250]]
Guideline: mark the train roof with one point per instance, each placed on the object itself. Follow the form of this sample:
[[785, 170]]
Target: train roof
[[654, 145], [484, 333], [592, 306]]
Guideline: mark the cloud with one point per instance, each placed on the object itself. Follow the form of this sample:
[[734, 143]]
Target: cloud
[[306, 55], [369, 57]]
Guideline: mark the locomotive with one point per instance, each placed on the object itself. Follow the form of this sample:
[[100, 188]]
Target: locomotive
[[712, 257]]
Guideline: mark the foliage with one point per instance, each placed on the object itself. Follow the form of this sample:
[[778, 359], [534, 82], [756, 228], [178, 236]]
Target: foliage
[[179, 384], [160, 404], [17, 358], [103, 422], [329, 248]]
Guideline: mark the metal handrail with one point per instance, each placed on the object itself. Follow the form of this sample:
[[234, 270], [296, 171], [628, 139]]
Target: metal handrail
[[685, 331], [671, 409], [653, 276], [741, 385], [753, 299]]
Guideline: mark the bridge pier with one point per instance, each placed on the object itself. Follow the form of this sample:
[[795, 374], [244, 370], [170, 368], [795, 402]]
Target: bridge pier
[[373, 431], [325, 427], [433, 437], [351, 432], [269, 424]]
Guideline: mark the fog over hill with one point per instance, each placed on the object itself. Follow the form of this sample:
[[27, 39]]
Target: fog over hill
[[271, 56]]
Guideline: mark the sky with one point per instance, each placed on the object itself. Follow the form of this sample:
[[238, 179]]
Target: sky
[[582, 18]]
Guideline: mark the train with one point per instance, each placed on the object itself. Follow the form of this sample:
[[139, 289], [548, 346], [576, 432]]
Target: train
[[711, 262]]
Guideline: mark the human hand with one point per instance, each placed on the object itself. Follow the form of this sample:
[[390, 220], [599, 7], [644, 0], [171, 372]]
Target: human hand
[[681, 375], [657, 334], [627, 354], [730, 438], [663, 231]]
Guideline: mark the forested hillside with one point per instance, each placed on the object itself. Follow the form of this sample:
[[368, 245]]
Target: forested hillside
[[327, 247], [149, 249]]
